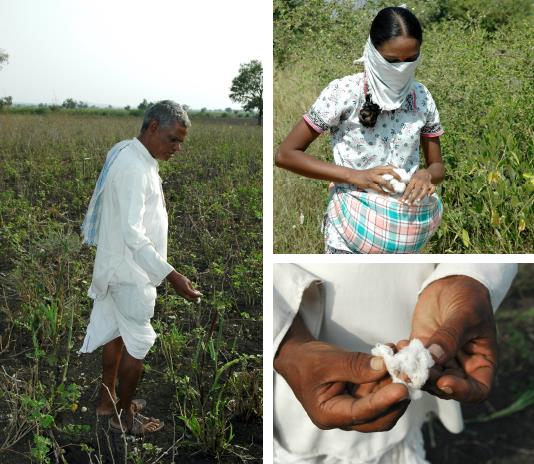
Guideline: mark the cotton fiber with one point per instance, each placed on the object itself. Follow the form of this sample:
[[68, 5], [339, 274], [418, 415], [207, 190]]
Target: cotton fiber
[[399, 185], [412, 361]]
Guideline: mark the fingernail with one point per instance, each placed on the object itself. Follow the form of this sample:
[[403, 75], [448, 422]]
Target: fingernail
[[436, 351], [447, 390], [377, 363]]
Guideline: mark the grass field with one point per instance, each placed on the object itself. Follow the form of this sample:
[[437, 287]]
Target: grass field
[[477, 63], [203, 377]]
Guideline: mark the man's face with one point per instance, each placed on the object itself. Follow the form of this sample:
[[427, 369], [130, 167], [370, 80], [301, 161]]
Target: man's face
[[165, 142]]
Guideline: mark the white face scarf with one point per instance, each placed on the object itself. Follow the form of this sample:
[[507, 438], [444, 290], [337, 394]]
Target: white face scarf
[[388, 83]]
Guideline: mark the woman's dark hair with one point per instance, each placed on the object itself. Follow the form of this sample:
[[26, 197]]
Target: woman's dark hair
[[389, 23], [392, 22]]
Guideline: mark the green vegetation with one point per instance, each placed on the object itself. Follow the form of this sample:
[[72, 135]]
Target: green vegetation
[[85, 110], [477, 62], [204, 375], [247, 88]]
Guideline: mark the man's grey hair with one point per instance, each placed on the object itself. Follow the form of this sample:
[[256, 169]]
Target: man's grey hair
[[166, 112]]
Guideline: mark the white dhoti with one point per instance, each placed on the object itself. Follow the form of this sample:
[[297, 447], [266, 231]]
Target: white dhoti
[[124, 312]]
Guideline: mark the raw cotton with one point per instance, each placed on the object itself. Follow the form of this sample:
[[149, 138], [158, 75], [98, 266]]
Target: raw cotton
[[399, 185], [412, 361]]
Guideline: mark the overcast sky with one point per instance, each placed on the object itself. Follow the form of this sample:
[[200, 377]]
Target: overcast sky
[[118, 52]]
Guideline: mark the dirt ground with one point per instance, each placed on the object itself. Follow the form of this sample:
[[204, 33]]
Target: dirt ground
[[508, 439], [85, 370]]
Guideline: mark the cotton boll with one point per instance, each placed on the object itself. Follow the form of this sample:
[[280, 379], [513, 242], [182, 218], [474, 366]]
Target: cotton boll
[[413, 361], [398, 186], [405, 176]]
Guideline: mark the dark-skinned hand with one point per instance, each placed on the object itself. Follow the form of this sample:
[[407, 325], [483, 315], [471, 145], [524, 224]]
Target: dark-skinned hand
[[419, 187], [337, 388], [453, 317], [183, 286], [372, 179]]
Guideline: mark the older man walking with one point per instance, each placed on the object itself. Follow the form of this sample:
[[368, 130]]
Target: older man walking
[[127, 221]]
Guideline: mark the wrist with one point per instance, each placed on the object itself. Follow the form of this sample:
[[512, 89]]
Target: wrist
[[351, 176], [297, 335]]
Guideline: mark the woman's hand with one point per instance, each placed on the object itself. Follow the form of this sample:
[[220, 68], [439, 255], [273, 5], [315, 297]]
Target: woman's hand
[[372, 179], [419, 187], [337, 388]]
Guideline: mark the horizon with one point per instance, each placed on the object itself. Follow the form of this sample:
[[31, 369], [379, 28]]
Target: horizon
[[122, 52]]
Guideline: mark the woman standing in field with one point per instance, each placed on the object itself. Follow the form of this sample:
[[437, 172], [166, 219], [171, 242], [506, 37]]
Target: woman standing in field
[[380, 201]]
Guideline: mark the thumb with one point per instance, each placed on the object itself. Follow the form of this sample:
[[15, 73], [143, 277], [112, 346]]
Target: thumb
[[445, 342], [358, 368]]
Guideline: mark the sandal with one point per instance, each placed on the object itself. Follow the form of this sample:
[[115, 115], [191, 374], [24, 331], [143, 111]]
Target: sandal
[[137, 404], [139, 425]]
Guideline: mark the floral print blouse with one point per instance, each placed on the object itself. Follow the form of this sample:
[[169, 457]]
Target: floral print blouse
[[394, 140]]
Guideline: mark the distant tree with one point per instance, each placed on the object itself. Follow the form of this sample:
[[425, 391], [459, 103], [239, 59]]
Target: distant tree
[[82, 104], [69, 103], [4, 57], [143, 105], [203, 110], [127, 107], [6, 101], [247, 87], [228, 109]]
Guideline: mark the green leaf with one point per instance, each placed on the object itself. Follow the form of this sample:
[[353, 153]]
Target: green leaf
[[465, 238]]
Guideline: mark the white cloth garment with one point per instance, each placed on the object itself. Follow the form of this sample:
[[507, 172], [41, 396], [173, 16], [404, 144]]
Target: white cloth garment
[[389, 83], [132, 245], [355, 306], [126, 312]]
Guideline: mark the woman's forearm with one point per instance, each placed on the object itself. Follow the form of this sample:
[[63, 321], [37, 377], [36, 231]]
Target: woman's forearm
[[306, 165]]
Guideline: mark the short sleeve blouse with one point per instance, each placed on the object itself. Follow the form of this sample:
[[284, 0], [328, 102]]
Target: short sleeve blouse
[[394, 140]]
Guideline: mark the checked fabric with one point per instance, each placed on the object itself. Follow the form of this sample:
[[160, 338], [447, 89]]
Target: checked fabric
[[373, 223]]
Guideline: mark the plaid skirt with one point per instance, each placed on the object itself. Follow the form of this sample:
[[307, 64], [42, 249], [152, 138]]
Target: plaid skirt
[[373, 223]]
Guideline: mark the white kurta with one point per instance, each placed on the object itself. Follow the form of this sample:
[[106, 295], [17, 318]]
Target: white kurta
[[132, 246], [131, 256], [355, 306]]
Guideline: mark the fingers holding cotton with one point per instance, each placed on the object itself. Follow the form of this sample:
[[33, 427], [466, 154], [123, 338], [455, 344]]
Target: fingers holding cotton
[[409, 366]]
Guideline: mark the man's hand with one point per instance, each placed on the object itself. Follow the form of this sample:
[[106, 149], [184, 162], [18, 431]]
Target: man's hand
[[183, 286], [339, 389], [454, 319]]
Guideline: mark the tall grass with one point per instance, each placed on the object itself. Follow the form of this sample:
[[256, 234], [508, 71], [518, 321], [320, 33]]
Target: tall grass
[[480, 74]]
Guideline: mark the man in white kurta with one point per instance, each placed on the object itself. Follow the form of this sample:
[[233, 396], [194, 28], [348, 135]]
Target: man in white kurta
[[355, 306], [129, 226]]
